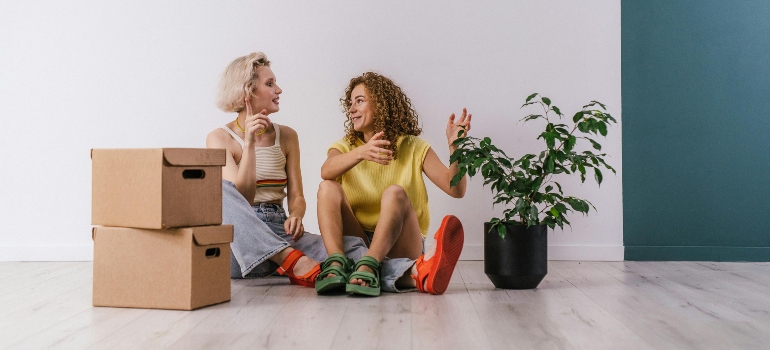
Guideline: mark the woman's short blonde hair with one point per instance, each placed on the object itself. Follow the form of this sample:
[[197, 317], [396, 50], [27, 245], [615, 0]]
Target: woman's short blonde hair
[[239, 76]]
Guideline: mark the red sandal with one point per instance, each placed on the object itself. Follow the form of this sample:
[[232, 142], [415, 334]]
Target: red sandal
[[438, 269], [287, 268]]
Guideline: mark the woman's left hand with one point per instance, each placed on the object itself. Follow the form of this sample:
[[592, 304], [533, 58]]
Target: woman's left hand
[[293, 226], [452, 128]]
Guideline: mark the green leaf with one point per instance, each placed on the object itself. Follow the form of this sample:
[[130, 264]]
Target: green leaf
[[501, 230], [530, 97], [561, 208], [556, 109], [598, 176], [577, 116], [547, 101], [583, 126], [602, 128], [596, 145], [459, 176], [555, 212], [548, 188], [549, 164], [531, 117]]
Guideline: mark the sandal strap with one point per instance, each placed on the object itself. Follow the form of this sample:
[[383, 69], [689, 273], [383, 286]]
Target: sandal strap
[[333, 270], [338, 258], [368, 277], [419, 280], [290, 261], [369, 262]]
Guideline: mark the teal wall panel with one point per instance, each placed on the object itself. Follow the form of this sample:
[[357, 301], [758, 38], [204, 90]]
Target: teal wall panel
[[696, 121]]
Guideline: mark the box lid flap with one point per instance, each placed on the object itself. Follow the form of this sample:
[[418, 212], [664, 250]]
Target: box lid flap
[[207, 235], [194, 156]]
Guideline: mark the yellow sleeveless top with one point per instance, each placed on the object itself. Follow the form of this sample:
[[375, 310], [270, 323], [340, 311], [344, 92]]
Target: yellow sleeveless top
[[365, 182]]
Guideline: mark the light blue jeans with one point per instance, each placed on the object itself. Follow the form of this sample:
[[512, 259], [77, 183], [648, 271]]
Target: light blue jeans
[[259, 234]]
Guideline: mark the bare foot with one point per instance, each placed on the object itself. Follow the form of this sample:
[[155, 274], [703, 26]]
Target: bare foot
[[333, 264], [359, 281], [304, 265]]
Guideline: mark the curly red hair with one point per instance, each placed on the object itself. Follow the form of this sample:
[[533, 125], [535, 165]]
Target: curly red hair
[[393, 111]]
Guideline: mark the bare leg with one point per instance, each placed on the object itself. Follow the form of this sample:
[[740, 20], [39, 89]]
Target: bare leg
[[398, 231], [335, 217], [304, 264]]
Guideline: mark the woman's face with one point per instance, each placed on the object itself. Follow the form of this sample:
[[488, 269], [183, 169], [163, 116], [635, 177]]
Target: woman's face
[[266, 93], [361, 111]]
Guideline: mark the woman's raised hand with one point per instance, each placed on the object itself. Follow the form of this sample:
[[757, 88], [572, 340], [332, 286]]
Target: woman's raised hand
[[373, 151], [255, 123], [452, 128]]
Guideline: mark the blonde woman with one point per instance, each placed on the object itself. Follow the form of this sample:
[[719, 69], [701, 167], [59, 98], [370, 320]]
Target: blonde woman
[[261, 171], [374, 189]]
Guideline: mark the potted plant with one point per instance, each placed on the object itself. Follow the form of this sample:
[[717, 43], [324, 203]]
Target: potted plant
[[515, 245]]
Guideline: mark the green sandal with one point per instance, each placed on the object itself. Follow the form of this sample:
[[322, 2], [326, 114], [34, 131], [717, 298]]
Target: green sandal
[[337, 282], [373, 279]]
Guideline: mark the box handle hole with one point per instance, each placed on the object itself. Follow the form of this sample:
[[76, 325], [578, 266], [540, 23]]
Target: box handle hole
[[212, 253], [193, 174]]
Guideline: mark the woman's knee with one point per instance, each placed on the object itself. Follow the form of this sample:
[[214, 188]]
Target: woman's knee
[[329, 189], [394, 193]]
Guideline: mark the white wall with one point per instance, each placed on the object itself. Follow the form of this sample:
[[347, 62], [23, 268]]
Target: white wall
[[91, 74]]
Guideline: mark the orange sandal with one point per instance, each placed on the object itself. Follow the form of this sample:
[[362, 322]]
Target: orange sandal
[[438, 269], [287, 268]]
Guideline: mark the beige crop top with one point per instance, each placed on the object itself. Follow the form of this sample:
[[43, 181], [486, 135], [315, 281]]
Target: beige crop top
[[271, 169]]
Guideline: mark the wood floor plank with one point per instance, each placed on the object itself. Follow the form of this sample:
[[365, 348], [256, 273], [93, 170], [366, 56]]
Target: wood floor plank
[[448, 321], [658, 325], [579, 305], [17, 326], [159, 329]]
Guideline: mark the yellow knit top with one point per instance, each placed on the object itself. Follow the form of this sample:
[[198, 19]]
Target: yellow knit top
[[365, 182]]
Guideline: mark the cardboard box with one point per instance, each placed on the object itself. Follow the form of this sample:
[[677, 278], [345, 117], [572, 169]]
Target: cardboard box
[[157, 188], [182, 269]]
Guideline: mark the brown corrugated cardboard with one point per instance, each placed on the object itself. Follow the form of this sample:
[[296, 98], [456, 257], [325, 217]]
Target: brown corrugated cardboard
[[157, 188], [182, 269]]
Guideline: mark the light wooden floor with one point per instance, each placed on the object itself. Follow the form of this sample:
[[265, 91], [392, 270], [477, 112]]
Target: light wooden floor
[[580, 305]]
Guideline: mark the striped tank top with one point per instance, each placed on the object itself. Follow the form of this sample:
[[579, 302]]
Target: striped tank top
[[271, 169]]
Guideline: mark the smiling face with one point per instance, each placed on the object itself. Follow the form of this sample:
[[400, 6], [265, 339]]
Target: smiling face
[[265, 92], [361, 110]]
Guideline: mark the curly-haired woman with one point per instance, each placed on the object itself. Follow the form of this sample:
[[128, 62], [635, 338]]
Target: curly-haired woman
[[262, 163], [373, 188]]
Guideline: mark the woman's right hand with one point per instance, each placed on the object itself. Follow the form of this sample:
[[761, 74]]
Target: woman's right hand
[[373, 151], [255, 123]]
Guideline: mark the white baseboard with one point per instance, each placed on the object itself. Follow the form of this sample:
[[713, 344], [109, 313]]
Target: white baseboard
[[560, 252], [470, 252], [47, 253]]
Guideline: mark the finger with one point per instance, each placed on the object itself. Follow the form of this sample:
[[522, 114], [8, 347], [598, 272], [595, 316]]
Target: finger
[[452, 119], [380, 142], [264, 112], [468, 122], [465, 114], [382, 150], [377, 136], [248, 107]]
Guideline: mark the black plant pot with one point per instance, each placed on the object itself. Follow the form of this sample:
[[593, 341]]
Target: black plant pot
[[518, 261]]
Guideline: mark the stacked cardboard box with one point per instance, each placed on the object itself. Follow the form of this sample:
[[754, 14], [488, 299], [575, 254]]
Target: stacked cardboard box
[[162, 243]]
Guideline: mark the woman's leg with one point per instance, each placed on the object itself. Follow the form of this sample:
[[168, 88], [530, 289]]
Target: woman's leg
[[254, 243], [335, 217], [396, 237]]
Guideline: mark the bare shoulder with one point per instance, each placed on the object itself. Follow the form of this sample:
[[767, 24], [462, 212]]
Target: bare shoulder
[[288, 136], [287, 132], [218, 138]]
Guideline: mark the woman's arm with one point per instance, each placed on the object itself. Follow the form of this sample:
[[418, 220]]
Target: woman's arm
[[436, 171], [338, 163], [243, 175], [295, 192]]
